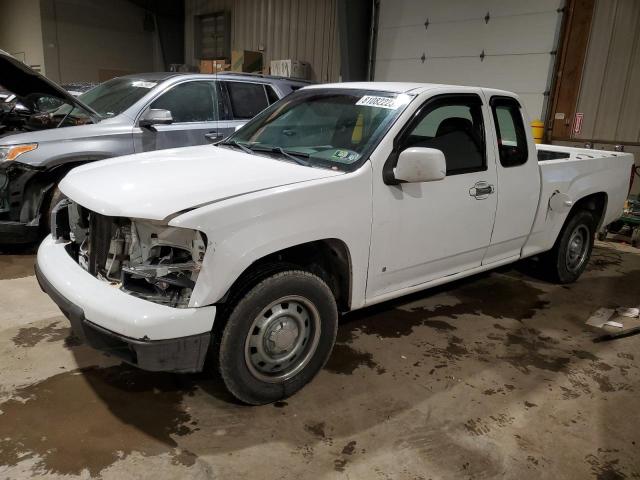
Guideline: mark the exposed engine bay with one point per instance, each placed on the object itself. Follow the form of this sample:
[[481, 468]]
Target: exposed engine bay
[[143, 258], [38, 113]]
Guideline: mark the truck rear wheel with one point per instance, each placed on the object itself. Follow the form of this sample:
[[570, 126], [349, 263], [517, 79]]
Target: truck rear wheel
[[570, 255], [277, 337]]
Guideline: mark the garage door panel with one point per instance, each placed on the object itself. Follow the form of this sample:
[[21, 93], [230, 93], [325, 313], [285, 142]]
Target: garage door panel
[[517, 41], [516, 35], [470, 71], [411, 12]]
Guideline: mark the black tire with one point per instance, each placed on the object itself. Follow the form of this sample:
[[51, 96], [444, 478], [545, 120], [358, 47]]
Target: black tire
[[567, 261], [257, 318]]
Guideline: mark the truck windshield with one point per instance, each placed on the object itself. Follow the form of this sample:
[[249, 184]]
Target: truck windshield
[[324, 127], [116, 95]]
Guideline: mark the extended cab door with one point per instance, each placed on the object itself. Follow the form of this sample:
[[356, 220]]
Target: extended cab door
[[425, 231], [518, 179], [194, 106]]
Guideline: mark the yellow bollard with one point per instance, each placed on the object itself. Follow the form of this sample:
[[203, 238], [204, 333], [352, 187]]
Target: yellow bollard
[[537, 127]]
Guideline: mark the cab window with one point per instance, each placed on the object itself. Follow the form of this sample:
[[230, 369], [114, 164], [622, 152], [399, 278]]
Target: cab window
[[455, 127], [512, 139]]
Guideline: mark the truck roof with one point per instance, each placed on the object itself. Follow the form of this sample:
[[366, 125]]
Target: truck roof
[[401, 87]]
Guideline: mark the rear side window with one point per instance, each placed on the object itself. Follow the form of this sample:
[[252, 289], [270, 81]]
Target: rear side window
[[271, 94], [247, 99], [455, 127], [512, 138]]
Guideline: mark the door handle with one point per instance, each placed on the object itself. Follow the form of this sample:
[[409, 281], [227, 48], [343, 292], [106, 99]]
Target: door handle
[[213, 136], [481, 190]]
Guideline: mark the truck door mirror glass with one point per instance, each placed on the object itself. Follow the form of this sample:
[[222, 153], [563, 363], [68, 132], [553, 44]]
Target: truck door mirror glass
[[420, 164], [155, 116]]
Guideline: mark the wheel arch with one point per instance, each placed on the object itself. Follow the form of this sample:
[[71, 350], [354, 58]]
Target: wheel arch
[[596, 203], [39, 190], [329, 258]]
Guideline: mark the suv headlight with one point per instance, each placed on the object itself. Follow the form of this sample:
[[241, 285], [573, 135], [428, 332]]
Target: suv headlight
[[11, 152]]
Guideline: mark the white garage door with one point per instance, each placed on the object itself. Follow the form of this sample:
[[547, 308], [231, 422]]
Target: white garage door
[[505, 44]]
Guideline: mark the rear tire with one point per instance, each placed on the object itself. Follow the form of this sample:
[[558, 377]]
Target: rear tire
[[570, 255], [277, 337]]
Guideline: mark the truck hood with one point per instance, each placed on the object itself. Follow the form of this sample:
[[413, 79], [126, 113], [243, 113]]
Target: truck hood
[[19, 79], [155, 185]]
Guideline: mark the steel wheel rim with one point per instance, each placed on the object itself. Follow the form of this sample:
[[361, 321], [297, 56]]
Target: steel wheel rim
[[282, 339], [577, 248]]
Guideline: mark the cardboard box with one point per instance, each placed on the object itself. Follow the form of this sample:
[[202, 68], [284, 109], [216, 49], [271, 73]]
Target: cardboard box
[[246, 61], [290, 68], [213, 66]]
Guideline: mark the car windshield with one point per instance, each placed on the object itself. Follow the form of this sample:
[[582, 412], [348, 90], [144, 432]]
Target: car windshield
[[324, 127], [114, 96]]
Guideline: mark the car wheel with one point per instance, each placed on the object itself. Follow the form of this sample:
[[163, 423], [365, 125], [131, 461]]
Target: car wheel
[[277, 337], [570, 255]]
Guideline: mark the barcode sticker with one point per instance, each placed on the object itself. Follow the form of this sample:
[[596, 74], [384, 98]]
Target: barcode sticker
[[380, 102], [143, 84]]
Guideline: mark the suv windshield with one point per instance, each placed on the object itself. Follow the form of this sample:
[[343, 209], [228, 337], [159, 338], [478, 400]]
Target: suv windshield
[[326, 127], [116, 95]]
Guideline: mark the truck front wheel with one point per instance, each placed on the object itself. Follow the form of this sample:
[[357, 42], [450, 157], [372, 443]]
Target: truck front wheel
[[570, 255], [277, 337]]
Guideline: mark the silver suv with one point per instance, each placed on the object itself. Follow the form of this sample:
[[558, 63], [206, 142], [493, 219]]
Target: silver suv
[[131, 114]]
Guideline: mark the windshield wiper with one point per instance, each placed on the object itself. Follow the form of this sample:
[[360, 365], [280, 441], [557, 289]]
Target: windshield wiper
[[235, 143], [293, 156]]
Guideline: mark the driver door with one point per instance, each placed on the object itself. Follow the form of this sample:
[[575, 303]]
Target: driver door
[[194, 107], [425, 231]]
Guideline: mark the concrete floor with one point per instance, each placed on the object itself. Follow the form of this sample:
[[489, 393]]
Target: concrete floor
[[496, 376]]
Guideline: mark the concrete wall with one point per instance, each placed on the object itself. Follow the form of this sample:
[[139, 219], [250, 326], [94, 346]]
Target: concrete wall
[[299, 29], [93, 40], [21, 32]]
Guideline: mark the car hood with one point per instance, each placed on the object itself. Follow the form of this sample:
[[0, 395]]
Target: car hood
[[155, 185], [16, 77]]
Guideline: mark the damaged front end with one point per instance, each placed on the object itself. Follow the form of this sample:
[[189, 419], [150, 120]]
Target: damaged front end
[[146, 259]]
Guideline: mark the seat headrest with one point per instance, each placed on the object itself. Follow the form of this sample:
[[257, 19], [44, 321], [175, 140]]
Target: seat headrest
[[454, 124]]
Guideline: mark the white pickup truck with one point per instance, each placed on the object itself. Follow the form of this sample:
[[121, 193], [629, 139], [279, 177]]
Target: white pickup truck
[[335, 198]]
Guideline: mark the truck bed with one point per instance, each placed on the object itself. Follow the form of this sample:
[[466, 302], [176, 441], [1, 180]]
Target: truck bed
[[577, 172]]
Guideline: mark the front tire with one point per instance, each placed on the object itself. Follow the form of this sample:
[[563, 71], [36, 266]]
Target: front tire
[[570, 255], [277, 337]]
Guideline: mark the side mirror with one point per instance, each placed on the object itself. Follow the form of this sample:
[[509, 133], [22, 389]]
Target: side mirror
[[155, 116], [419, 164]]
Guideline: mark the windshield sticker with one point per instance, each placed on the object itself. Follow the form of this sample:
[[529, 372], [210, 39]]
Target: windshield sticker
[[344, 156], [141, 84], [380, 102]]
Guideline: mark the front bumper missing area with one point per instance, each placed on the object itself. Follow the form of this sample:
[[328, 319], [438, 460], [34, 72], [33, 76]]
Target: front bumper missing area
[[184, 354]]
